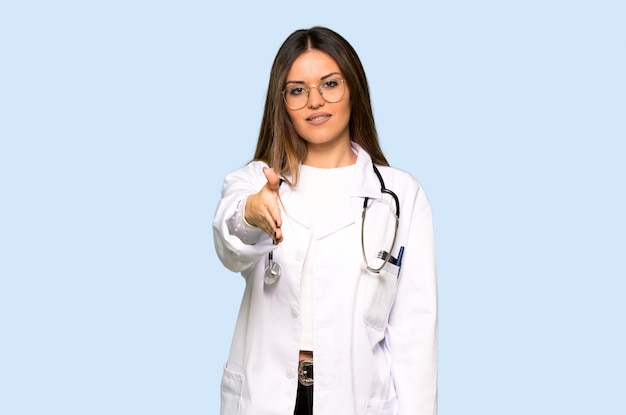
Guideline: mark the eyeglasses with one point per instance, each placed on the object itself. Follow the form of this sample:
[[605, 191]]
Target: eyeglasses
[[331, 90]]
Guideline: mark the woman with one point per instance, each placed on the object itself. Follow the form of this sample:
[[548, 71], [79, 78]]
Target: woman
[[328, 291]]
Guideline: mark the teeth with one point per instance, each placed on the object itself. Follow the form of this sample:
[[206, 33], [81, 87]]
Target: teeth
[[318, 118]]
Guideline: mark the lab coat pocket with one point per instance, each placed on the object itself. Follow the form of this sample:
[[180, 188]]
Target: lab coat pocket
[[380, 407], [232, 385], [381, 293]]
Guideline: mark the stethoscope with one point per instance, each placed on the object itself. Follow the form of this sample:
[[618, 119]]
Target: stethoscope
[[273, 270]]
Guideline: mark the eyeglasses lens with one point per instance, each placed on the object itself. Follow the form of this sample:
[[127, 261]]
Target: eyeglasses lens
[[297, 95]]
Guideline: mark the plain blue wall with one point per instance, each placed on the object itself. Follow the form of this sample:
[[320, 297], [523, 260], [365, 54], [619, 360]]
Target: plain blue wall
[[119, 120]]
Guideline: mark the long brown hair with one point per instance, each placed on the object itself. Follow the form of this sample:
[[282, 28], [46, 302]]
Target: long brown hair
[[279, 145]]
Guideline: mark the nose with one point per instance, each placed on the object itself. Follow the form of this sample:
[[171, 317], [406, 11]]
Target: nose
[[315, 98]]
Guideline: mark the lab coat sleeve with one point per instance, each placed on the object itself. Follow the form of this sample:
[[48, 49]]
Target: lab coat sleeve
[[412, 328], [239, 247], [239, 226]]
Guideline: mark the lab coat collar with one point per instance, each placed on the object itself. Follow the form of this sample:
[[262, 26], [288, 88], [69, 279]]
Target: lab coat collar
[[364, 184]]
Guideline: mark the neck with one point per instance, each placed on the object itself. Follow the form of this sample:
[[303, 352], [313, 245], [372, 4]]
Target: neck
[[329, 158]]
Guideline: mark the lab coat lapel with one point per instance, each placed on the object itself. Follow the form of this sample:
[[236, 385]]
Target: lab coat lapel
[[294, 206], [364, 184]]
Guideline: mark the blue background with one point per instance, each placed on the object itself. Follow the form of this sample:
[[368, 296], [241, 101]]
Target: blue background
[[120, 119]]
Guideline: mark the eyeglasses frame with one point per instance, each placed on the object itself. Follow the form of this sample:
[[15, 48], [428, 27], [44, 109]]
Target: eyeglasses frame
[[319, 90]]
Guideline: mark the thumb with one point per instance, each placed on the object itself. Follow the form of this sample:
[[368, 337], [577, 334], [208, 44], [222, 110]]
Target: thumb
[[272, 178]]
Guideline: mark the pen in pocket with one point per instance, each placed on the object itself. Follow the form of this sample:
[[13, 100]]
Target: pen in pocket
[[399, 260]]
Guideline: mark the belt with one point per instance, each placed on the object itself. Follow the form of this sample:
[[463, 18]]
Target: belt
[[305, 372]]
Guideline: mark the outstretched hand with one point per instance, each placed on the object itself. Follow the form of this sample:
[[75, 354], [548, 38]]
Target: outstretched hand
[[262, 209]]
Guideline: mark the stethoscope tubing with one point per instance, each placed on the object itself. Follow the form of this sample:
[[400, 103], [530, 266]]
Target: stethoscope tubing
[[273, 269], [386, 257]]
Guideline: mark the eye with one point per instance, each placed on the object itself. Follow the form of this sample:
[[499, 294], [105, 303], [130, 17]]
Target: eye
[[331, 83], [296, 90]]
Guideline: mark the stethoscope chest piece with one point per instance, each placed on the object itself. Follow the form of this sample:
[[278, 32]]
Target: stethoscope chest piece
[[272, 271]]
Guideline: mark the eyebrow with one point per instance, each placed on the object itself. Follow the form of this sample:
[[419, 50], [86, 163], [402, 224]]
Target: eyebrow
[[321, 79]]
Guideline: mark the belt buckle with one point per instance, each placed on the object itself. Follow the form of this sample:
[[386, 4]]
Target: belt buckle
[[305, 372]]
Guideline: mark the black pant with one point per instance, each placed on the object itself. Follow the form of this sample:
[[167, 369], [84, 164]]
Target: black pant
[[304, 400]]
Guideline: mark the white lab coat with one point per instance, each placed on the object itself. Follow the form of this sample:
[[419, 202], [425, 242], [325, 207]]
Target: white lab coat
[[375, 335]]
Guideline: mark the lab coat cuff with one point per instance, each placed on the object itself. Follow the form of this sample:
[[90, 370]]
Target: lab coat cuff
[[238, 226]]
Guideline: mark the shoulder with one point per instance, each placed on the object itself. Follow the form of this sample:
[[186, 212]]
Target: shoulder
[[399, 177], [406, 187], [249, 174]]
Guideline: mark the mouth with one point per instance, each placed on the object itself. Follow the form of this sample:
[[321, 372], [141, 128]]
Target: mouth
[[318, 117]]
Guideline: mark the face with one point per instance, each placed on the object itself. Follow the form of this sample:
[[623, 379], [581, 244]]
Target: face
[[320, 123]]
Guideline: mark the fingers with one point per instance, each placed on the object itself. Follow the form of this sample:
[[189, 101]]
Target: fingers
[[272, 224], [278, 235], [263, 210]]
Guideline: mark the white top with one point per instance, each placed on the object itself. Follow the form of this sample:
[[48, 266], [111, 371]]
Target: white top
[[322, 189]]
